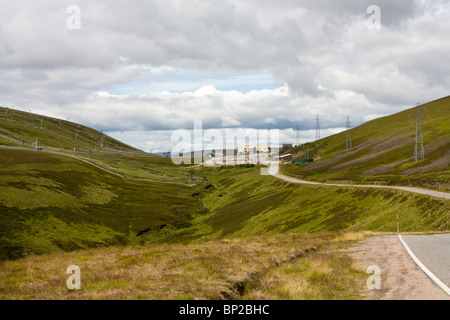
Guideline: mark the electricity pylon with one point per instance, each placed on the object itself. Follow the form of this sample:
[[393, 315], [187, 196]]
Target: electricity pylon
[[348, 141], [419, 152], [317, 127]]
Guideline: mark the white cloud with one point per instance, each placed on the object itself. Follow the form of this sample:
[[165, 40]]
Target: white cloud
[[160, 65], [229, 122]]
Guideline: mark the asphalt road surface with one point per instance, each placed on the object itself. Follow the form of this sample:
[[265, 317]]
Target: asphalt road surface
[[434, 252]]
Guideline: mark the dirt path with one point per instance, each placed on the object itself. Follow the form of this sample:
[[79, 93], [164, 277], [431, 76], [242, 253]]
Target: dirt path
[[401, 278]]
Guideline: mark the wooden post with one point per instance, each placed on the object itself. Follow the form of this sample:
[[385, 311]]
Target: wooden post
[[397, 223]]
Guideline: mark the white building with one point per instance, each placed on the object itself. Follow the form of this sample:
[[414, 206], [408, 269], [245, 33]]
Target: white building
[[251, 149]]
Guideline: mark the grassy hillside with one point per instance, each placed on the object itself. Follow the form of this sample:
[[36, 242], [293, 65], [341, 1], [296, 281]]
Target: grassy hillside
[[244, 202], [54, 202], [59, 199], [383, 151], [22, 129]]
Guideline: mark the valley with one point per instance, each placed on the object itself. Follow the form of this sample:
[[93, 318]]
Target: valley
[[139, 227]]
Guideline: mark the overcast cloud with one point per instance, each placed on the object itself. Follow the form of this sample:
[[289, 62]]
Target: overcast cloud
[[139, 69]]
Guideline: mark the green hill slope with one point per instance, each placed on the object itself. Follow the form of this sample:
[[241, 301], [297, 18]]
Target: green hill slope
[[244, 202], [59, 199], [22, 129], [60, 202], [383, 151]]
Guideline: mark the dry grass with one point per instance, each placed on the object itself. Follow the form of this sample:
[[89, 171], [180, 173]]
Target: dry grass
[[319, 276], [235, 267], [355, 235]]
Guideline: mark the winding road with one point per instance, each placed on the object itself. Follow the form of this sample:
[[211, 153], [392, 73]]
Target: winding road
[[433, 193], [430, 252]]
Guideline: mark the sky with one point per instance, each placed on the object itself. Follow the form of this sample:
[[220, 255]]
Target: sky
[[138, 70]]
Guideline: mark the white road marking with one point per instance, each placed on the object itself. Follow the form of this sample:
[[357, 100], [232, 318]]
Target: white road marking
[[424, 268]]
